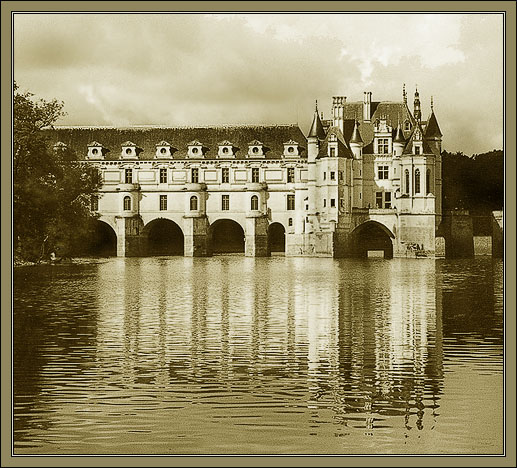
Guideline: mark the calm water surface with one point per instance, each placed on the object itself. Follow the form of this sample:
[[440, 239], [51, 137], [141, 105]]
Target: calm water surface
[[242, 355]]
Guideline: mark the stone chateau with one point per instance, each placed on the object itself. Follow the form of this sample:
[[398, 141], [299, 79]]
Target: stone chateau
[[364, 182]]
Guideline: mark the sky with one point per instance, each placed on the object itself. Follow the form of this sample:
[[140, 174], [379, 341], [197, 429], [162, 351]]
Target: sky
[[206, 69]]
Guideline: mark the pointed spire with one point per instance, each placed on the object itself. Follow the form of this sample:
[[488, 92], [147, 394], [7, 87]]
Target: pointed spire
[[404, 95], [356, 136], [399, 136], [416, 105], [432, 105], [316, 127], [432, 129]]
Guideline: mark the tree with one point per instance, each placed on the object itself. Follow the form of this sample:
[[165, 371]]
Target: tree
[[52, 190]]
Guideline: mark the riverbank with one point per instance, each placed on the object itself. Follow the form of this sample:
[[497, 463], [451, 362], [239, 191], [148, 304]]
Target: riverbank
[[18, 262]]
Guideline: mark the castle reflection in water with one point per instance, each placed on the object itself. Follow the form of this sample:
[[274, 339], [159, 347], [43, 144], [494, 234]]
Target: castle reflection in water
[[358, 344], [259, 355]]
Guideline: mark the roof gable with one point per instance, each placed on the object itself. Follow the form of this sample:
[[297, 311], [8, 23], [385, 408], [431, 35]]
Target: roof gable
[[343, 149]]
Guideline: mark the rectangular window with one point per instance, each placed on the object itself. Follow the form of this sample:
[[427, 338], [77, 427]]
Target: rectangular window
[[387, 200], [378, 199], [417, 149], [290, 202], [332, 175], [290, 221], [324, 176], [225, 202], [194, 175], [290, 175], [163, 202], [163, 176], [383, 172], [332, 202], [343, 203], [383, 145], [332, 152], [225, 175], [94, 203], [128, 177], [340, 175], [324, 203], [255, 174]]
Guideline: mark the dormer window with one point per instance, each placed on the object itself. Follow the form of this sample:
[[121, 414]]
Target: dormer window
[[129, 150], [95, 151], [163, 150], [291, 149], [195, 149], [332, 146], [407, 126], [226, 149], [255, 149]]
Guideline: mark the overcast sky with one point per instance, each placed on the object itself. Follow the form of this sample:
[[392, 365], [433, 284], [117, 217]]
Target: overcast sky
[[264, 69]]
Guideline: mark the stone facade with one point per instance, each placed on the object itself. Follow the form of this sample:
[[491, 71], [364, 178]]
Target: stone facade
[[364, 181]]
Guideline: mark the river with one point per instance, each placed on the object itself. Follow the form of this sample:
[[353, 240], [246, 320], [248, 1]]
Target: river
[[236, 355]]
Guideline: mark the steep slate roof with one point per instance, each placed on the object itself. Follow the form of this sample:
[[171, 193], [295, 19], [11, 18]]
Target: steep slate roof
[[316, 127], [399, 135], [342, 148], [394, 112], [432, 128], [356, 135], [273, 136]]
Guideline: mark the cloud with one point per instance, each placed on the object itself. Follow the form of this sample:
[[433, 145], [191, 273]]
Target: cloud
[[215, 69]]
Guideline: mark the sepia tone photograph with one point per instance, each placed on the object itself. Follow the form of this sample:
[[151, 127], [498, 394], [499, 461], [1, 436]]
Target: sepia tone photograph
[[258, 233]]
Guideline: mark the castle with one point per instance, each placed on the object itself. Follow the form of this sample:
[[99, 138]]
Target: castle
[[366, 182]]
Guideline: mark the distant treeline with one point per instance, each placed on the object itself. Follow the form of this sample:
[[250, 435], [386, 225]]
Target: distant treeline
[[474, 183]]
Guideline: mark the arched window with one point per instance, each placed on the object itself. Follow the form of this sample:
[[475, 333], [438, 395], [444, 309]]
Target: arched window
[[127, 203], [428, 187], [417, 181], [193, 203], [406, 177], [254, 203]]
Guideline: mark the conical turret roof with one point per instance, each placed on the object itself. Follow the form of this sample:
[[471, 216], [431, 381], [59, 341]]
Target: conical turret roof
[[356, 136], [432, 129], [399, 136], [317, 127]]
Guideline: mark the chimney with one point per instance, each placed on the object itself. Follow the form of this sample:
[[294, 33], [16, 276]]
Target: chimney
[[367, 106], [338, 108]]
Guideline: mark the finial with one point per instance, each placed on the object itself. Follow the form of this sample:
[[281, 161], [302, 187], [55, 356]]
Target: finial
[[432, 106], [321, 115], [404, 95], [316, 105]]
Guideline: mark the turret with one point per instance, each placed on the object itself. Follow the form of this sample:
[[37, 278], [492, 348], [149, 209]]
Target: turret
[[356, 142], [316, 133], [433, 134], [399, 142]]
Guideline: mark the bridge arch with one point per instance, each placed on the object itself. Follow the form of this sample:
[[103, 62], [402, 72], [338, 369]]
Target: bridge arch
[[372, 236], [276, 237], [226, 236], [103, 240], [163, 237]]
